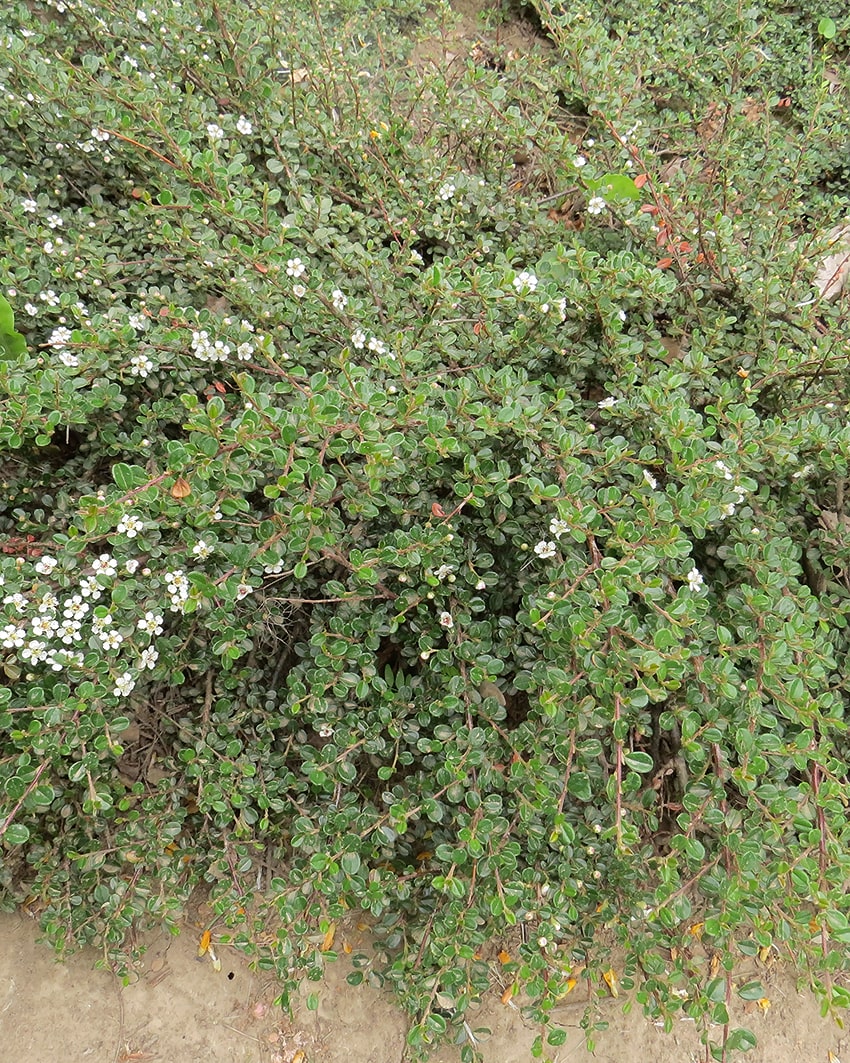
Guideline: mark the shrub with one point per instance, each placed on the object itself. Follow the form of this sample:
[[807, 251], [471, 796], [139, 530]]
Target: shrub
[[422, 498]]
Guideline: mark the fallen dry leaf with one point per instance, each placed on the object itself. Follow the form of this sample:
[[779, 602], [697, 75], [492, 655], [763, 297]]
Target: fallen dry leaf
[[833, 270]]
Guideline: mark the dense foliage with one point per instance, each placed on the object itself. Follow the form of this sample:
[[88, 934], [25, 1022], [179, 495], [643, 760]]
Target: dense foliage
[[423, 493]]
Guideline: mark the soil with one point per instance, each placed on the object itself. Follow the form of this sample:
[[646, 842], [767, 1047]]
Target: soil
[[179, 1009]]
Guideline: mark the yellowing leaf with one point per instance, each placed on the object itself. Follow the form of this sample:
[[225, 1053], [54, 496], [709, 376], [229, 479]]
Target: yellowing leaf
[[764, 1004], [696, 930], [299, 1057], [832, 1057], [508, 993], [611, 980], [328, 939], [504, 957], [714, 965], [204, 943], [764, 953], [571, 984], [346, 948], [216, 962]]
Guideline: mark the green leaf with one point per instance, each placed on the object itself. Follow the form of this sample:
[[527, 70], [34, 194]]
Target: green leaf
[[350, 863], [741, 1040], [579, 786], [641, 762], [16, 834], [752, 991], [827, 28]]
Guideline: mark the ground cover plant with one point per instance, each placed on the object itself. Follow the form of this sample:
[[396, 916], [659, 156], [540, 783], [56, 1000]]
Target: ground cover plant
[[423, 495]]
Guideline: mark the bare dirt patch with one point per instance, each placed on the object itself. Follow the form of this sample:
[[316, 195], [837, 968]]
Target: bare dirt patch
[[180, 1010]]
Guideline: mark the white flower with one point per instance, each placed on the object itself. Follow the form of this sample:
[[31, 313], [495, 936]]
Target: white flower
[[45, 565], [100, 623], [49, 296], [140, 365], [71, 360], [443, 571], [579, 161], [299, 291], [201, 549], [141, 16], [110, 640], [244, 352], [129, 525], [124, 685], [243, 126], [621, 314], [596, 205], [358, 338], [59, 337], [545, 549], [722, 468], [34, 651], [48, 603], [694, 578], [526, 279], [650, 479], [105, 565], [131, 566], [17, 601], [376, 345], [727, 510], [12, 636], [148, 658], [151, 623], [243, 590], [480, 585], [606, 404], [69, 631], [295, 268], [339, 300], [99, 134], [29, 206], [176, 582], [214, 132], [43, 626], [741, 492], [325, 731], [446, 190], [558, 527], [446, 621], [90, 588], [31, 309]]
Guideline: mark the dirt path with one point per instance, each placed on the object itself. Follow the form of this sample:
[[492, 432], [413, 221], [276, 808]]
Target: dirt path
[[179, 1010]]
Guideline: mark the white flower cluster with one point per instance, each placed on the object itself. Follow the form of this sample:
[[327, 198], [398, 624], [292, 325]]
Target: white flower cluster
[[178, 589], [59, 338], [361, 339], [739, 491], [207, 350], [547, 548]]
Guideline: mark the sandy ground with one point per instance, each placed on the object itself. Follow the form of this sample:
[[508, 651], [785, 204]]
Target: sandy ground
[[180, 1010]]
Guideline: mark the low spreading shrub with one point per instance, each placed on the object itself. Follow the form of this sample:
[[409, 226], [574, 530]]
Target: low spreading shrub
[[423, 495]]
